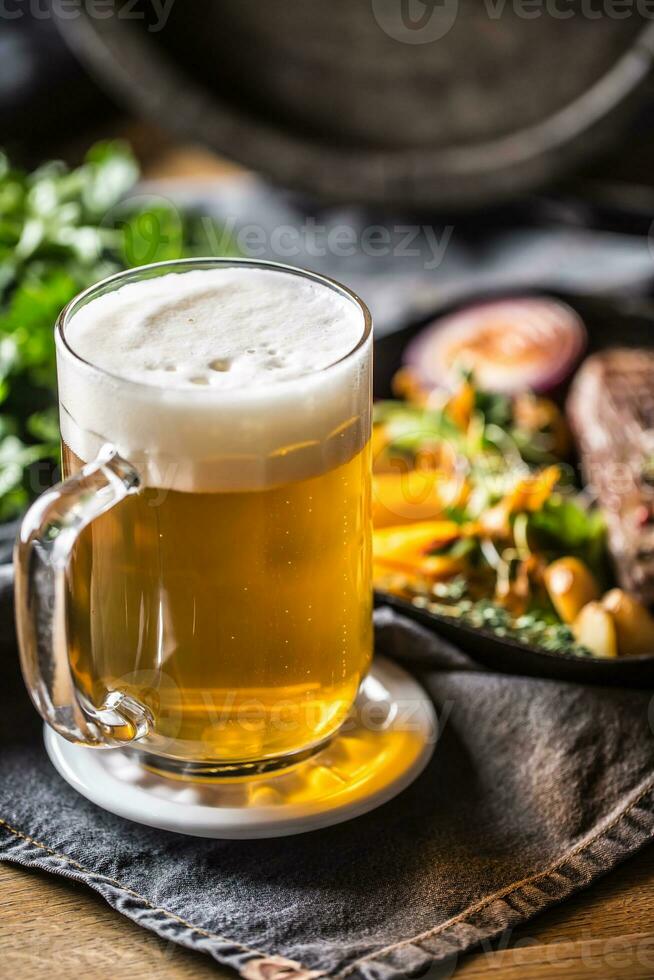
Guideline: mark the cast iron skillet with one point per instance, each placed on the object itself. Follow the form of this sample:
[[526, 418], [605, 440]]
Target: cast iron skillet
[[610, 322]]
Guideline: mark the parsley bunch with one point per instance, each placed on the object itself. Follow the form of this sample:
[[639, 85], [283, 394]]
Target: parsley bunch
[[62, 230]]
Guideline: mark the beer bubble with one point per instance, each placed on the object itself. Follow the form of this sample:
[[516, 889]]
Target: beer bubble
[[220, 364], [152, 366]]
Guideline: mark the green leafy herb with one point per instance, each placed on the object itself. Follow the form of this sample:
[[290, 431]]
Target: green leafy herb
[[562, 525], [538, 628], [495, 408], [62, 230]]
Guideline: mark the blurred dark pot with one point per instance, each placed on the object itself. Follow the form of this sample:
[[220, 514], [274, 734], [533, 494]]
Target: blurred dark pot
[[441, 102]]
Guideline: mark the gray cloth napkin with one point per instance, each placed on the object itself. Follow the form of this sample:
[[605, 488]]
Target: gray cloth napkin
[[535, 789]]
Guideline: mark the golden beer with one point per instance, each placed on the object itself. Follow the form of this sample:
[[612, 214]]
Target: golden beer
[[243, 620]]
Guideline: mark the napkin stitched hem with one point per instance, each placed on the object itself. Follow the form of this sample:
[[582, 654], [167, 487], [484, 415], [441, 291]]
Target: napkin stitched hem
[[27, 851], [598, 853], [618, 837]]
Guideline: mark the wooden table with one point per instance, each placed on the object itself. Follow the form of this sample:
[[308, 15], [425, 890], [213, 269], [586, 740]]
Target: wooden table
[[55, 928]]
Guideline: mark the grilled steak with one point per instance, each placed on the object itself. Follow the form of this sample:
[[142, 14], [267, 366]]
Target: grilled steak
[[611, 411]]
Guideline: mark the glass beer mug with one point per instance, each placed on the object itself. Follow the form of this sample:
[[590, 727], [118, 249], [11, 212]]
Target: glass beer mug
[[199, 585]]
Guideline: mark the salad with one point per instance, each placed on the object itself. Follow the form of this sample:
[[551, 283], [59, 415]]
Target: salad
[[479, 517]]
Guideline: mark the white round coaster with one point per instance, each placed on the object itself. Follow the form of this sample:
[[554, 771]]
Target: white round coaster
[[383, 746]]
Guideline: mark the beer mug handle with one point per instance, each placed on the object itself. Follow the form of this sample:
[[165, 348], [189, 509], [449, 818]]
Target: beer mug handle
[[44, 546]]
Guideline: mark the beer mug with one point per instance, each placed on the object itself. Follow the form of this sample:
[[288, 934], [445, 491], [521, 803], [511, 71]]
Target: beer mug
[[198, 588]]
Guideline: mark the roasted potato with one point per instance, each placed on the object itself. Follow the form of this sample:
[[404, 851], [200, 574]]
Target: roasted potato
[[570, 585], [634, 623], [594, 629]]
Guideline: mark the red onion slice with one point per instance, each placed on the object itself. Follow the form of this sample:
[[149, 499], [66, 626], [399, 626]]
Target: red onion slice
[[511, 345]]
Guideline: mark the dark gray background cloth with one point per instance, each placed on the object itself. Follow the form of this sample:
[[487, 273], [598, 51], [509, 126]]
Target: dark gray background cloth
[[535, 789], [405, 267]]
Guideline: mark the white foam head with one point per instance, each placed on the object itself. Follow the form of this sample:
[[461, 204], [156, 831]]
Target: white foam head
[[231, 377]]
